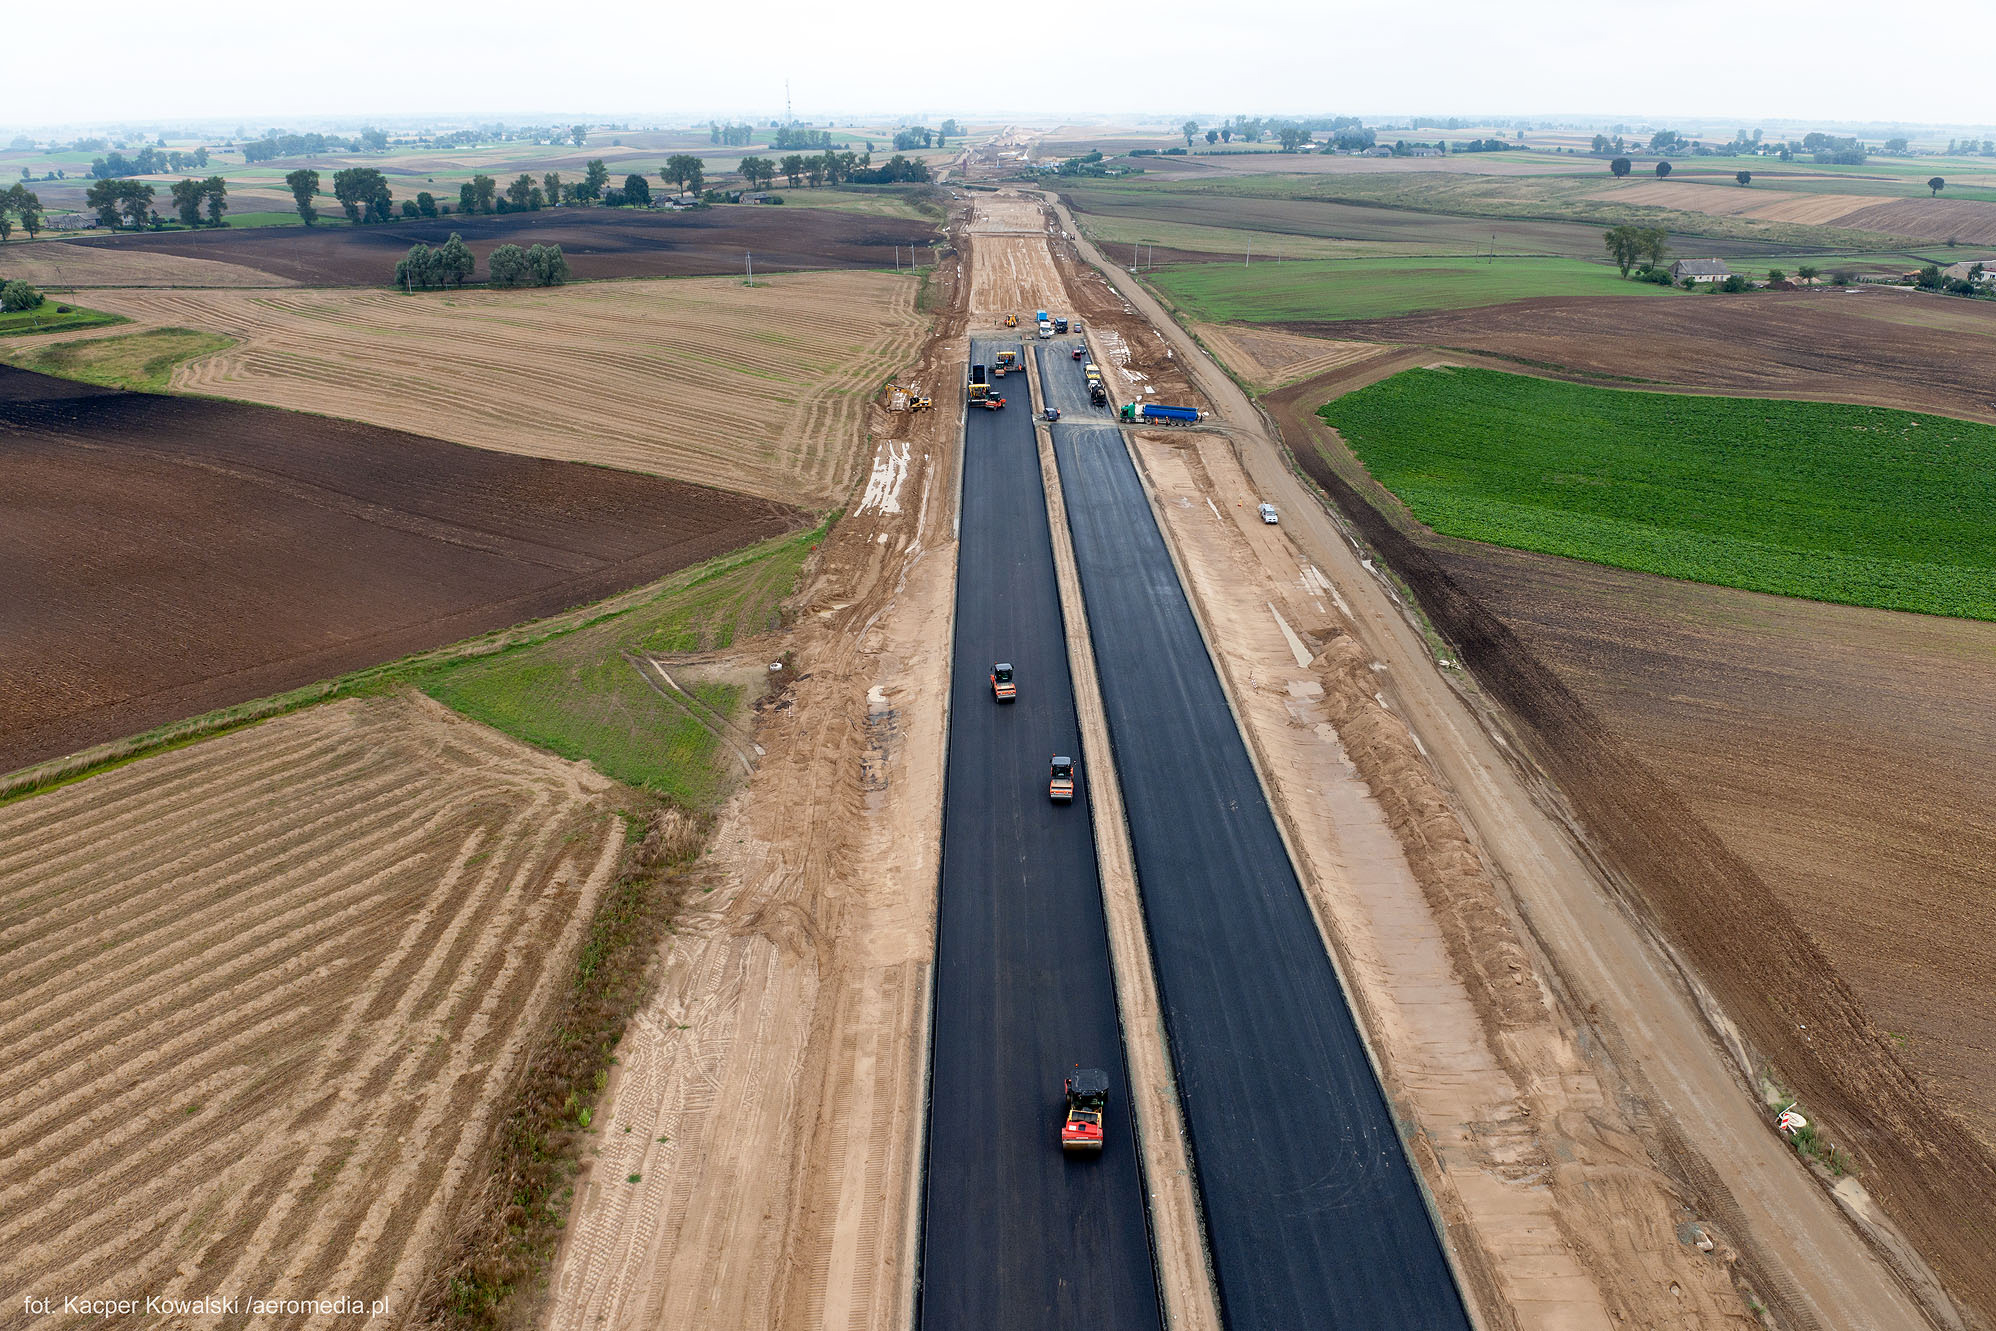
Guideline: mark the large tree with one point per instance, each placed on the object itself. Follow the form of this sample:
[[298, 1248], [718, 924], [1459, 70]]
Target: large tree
[[551, 188], [792, 168], [594, 178], [304, 184], [1662, 170], [549, 265], [363, 193], [454, 262], [25, 205], [1630, 244], [757, 172], [684, 170], [637, 191], [121, 202], [187, 200], [579, 133], [1744, 177], [1936, 184], [521, 192], [507, 267], [1189, 129], [216, 191]]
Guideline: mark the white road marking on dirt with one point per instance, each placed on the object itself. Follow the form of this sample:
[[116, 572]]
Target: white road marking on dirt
[[1296, 647], [883, 487]]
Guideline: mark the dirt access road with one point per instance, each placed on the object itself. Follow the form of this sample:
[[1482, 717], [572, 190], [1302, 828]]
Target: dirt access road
[[1807, 1261], [769, 1095]]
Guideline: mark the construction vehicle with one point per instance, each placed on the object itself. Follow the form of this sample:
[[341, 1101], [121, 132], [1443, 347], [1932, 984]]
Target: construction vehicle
[[980, 387], [1087, 1091], [1098, 391], [1156, 413], [1060, 781], [908, 399], [989, 403], [1046, 328], [1002, 687], [1011, 321], [1006, 363], [1060, 325]]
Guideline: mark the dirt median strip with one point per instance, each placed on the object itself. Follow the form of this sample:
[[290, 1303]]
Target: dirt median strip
[[1177, 1230]]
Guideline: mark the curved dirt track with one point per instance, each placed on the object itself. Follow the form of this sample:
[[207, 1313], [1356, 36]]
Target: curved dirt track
[[265, 995], [758, 390]]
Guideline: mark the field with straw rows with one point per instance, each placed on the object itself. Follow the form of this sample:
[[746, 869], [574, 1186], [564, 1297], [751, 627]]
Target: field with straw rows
[[759, 390], [266, 995], [1268, 357]]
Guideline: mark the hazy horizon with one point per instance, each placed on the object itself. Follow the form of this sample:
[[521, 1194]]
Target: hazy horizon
[[273, 66]]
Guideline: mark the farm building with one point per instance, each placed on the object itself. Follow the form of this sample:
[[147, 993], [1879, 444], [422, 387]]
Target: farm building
[[1700, 270], [1966, 271]]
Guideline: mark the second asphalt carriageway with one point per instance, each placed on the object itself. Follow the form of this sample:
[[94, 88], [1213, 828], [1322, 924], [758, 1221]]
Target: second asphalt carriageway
[[1015, 1235], [1314, 1214]]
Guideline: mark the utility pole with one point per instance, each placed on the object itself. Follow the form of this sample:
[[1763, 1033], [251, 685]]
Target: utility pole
[[751, 268], [788, 117], [1249, 256]]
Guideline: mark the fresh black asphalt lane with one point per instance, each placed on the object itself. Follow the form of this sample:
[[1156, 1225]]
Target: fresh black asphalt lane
[[1313, 1212], [1015, 1235]]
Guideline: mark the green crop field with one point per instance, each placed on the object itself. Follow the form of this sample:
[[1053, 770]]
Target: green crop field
[[1856, 505], [44, 319], [587, 694], [1333, 289]]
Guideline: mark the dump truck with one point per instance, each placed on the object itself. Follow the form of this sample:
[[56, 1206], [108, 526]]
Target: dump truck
[[1002, 687], [1154, 413], [1060, 325], [1060, 780], [1006, 363], [1087, 1092], [1046, 328]]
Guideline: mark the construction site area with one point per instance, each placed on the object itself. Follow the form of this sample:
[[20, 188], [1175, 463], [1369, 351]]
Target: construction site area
[[1106, 862]]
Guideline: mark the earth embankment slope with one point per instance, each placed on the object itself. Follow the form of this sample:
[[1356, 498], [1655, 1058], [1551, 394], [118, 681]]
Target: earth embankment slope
[[172, 556], [267, 995], [1748, 945]]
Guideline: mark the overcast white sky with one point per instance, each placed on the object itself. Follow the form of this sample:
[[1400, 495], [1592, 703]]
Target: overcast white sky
[[269, 62]]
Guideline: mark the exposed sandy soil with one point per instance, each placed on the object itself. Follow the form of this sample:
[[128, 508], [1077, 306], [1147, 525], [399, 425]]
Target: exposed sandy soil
[[773, 1084], [1847, 755], [1892, 348], [598, 242], [266, 995], [1556, 1212], [1966, 220], [1682, 849], [759, 390], [168, 556], [1731, 200]]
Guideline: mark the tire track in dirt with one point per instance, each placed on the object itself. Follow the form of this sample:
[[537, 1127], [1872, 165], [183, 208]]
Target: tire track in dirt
[[325, 1037]]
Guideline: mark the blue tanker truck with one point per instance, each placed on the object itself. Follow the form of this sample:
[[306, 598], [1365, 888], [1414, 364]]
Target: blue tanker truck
[[1137, 413]]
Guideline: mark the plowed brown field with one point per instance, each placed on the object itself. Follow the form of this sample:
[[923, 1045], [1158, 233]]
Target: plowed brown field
[[757, 389], [166, 556], [599, 242], [1892, 348], [265, 996]]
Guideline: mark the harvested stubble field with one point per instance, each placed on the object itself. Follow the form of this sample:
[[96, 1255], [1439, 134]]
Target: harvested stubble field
[[267, 996], [759, 390], [1889, 348], [1269, 357], [1794, 794], [599, 243], [168, 556], [62, 264]]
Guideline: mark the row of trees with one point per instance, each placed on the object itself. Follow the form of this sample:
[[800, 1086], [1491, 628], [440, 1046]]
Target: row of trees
[[122, 203], [833, 168], [1631, 245], [451, 265], [147, 162], [20, 204], [276, 144]]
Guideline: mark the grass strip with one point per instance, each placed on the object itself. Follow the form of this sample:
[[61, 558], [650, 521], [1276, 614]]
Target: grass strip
[[1323, 290], [1848, 504], [45, 319], [139, 362]]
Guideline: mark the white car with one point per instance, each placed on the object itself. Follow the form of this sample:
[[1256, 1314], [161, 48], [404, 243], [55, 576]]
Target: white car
[[1267, 512]]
